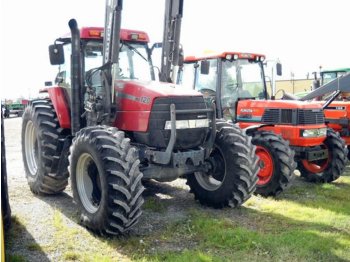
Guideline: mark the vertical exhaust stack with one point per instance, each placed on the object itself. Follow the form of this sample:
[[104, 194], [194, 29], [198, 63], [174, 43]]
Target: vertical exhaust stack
[[76, 78]]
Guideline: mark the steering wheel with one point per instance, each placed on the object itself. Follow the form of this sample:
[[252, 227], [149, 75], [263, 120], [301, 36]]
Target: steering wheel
[[208, 92]]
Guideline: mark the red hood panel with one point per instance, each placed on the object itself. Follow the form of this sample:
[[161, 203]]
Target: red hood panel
[[138, 95], [134, 100]]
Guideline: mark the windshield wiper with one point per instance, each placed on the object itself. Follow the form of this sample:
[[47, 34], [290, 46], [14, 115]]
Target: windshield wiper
[[135, 50]]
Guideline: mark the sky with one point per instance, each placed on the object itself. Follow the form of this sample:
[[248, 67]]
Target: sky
[[303, 35]]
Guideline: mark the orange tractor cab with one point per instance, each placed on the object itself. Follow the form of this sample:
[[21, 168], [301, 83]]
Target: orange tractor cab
[[236, 83], [109, 125]]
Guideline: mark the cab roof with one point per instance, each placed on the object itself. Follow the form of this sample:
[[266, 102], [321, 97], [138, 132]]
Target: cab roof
[[98, 32], [224, 55]]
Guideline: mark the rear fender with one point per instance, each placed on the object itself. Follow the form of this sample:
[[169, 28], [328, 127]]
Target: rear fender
[[61, 105]]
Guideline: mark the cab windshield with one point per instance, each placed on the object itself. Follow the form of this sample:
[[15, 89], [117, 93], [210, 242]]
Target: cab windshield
[[133, 60], [242, 79], [238, 79], [330, 76]]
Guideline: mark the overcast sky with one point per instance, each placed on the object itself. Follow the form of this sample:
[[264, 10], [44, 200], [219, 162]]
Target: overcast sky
[[302, 34]]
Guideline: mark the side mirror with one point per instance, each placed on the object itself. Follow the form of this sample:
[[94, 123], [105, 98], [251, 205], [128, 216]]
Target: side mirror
[[205, 65], [279, 69], [56, 54]]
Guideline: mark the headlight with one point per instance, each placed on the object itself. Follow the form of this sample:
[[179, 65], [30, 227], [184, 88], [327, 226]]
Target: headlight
[[317, 132], [193, 123]]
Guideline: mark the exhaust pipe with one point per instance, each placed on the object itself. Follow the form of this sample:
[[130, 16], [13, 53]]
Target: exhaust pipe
[[76, 78]]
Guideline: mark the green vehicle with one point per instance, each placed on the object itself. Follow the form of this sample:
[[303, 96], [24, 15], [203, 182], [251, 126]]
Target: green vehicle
[[15, 108], [329, 75]]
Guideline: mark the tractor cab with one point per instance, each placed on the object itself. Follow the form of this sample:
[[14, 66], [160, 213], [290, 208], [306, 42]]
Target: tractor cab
[[240, 76], [135, 56]]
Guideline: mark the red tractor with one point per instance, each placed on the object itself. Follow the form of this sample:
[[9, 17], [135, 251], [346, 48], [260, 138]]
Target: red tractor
[[109, 125], [236, 83]]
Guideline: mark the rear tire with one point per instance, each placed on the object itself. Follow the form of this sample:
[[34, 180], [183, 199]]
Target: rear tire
[[326, 171], [106, 180], [233, 176], [41, 136], [276, 162]]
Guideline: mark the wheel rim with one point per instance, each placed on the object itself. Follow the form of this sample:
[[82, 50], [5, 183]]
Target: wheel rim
[[213, 180], [317, 166], [31, 148], [265, 164], [88, 183]]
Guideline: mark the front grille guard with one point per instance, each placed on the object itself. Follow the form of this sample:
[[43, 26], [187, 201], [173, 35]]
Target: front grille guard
[[164, 157]]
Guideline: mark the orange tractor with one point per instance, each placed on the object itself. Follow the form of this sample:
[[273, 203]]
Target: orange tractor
[[236, 83]]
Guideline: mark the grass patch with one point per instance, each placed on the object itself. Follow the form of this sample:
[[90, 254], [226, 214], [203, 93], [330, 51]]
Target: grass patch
[[154, 205], [16, 258], [34, 247], [186, 255], [69, 255], [309, 223], [78, 244]]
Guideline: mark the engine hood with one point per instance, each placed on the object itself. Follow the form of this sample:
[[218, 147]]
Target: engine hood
[[140, 95], [282, 104]]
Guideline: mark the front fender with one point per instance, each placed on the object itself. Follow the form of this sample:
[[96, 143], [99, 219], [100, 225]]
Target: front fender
[[251, 129], [61, 105]]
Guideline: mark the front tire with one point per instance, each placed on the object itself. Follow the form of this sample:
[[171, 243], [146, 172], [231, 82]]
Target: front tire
[[106, 180], [41, 136], [330, 169], [276, 162], [233, 176]]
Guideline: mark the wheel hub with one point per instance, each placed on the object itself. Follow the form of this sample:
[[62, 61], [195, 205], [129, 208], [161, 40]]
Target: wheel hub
[[213, 179], [266, 165], [31, 148], [317, 166], [88, 183]]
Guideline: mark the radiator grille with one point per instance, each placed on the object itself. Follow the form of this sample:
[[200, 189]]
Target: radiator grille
[[293, 116], [307, 117]]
